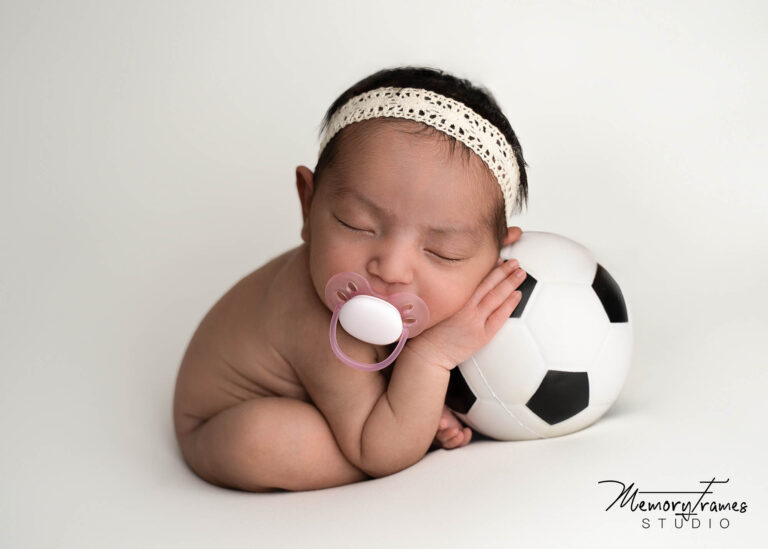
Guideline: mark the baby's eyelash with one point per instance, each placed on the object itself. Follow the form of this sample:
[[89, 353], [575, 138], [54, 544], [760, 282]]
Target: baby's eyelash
[[451, 259], [350, 226], [440, 257]]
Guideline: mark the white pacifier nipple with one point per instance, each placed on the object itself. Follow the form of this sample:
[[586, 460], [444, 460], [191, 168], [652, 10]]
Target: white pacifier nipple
[[371, 319]]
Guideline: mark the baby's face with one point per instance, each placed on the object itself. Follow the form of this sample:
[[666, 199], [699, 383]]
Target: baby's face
[[408, 215]]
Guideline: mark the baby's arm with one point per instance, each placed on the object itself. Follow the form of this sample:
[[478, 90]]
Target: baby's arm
[[380, 427], [403, 422]]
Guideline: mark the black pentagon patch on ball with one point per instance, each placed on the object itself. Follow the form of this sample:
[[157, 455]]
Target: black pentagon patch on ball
[[561, 395], [526, 288], [459, 397], [610, 295]]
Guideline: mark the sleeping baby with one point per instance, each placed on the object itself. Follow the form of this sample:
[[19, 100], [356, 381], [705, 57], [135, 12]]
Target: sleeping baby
[[418, 177]]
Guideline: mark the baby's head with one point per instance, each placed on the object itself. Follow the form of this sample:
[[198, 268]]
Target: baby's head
[[406, 205]]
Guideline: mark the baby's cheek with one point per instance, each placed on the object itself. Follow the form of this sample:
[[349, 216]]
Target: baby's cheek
[[443, 304]]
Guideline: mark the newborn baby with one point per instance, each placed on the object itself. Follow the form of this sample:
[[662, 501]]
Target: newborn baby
[[262, 403]]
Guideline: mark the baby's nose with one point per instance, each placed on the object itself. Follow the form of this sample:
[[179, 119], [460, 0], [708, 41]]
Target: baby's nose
[[390, 273], [387, 278]]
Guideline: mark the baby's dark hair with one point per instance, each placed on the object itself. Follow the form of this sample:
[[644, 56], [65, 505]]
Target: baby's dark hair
[[477, 98]]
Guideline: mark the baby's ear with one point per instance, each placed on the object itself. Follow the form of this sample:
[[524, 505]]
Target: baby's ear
[[513, 235], [305, 184]]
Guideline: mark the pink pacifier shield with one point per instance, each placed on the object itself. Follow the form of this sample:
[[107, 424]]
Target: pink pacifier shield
[[366, 319], [344, 286]]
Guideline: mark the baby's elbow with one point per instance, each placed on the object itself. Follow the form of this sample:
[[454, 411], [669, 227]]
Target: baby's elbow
[[385, 464], [382, 470]]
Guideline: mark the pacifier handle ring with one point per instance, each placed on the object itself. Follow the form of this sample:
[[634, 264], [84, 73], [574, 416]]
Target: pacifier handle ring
[[349, 361]]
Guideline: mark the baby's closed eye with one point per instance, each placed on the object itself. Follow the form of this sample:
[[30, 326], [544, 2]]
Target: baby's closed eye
[[442, 256], [350, 226], [450, 259]]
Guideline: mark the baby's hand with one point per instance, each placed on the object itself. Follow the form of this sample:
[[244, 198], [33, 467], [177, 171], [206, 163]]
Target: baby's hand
[[458, 337]]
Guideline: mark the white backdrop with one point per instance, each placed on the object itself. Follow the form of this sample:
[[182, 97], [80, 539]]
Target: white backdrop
[[147, 158]]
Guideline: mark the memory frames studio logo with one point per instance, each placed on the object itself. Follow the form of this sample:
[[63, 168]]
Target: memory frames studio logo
[[697, 509]]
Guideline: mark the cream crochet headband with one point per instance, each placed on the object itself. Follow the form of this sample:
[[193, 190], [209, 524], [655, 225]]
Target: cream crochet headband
[[447, 115]]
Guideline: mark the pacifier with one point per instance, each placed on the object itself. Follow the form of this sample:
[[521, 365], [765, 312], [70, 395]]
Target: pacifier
[[372, 317]]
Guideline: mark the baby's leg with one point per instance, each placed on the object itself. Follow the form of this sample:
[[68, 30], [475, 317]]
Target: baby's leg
[[267, 443]]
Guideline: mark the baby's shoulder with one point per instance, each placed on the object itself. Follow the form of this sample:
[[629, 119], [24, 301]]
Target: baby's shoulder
[[294, 317], [299, 322]]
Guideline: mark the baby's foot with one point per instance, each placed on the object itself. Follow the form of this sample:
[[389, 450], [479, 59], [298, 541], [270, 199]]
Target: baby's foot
[[451, 433]]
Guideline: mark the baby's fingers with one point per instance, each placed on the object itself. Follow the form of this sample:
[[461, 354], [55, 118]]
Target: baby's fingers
[[499, 294], [497, 319], [492, 279]]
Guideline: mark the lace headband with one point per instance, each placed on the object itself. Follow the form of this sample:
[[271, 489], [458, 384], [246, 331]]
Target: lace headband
[[447, 115]]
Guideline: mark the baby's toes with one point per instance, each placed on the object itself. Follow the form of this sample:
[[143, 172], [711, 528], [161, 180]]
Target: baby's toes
[[467, 436], [445, 435], [457, 438]]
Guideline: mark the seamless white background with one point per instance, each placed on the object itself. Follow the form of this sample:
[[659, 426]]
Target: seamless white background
[[147, 157]]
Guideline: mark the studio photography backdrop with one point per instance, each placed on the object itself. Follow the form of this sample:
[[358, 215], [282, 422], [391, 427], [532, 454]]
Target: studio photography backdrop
[[147, 163]]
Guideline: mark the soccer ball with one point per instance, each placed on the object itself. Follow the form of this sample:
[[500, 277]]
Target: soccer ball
[[559, 362]]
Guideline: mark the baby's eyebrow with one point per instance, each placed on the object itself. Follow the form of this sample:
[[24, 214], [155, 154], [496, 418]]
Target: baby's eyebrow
[[342, 191]]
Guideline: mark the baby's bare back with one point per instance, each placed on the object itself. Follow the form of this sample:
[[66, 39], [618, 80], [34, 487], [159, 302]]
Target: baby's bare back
[[245, 345]]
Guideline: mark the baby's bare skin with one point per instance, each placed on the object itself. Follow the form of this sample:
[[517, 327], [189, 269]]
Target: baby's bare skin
[[238, 351], [246, 348], [262, 403]]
